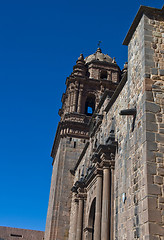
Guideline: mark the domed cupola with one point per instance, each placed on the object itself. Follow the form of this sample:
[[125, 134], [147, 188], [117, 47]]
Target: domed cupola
[[102, 67], [99, 56]]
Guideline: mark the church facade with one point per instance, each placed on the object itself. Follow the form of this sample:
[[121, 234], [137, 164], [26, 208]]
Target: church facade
[[108, 153]]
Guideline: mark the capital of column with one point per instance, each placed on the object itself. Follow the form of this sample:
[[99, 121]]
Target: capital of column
[[104, 157], [105, 164], [107, 160], [82, 196], [88, 229], [81, 86], [95, 158], [112, 164], [98, 172], [76, 200]]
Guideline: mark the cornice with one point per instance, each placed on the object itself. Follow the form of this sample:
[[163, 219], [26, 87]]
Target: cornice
[[102, 63], [142, 10], [73, 125]]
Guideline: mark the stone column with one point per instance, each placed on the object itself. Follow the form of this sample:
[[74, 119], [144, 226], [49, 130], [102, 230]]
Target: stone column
[[68, 101], [75, 219], [80, 220], [71, 102], [75, 98], [79, 99], [97, 226], [106, 203], [112, 205]]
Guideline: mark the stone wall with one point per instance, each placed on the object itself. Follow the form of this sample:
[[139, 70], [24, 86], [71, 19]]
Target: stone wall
[[139, 163], [154, 123], [58, 216], [8, 233], [139, 160], [129, 181]]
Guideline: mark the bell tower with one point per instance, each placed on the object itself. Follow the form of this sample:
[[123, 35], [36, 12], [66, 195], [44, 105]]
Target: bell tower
[[84, 87]]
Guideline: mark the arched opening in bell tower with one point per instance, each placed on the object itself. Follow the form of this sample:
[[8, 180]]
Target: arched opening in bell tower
[[103, 75], [91, 221], [90, 105]]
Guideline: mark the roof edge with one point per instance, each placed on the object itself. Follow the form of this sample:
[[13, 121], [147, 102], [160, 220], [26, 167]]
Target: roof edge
[[141, 11]]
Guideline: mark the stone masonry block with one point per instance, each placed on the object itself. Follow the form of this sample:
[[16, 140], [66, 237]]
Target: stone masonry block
[[155, 215], [161, 171], [150, 126], [154, 189], [154, 71], [152, 202], [149, 63], [148, 95], [156, 229], [150, 117], [161, 130], [151, 146], [161, 72], [149, 27], [160, 137], [151, 169], [150, 136], [158, 179], [148, 38], [148, 84], [152, 107], [161, 199], [150, 156], [149, 51]]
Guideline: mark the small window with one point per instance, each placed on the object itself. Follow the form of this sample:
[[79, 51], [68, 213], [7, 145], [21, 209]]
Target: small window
[[16, 235], [74, 145], [103, 75]]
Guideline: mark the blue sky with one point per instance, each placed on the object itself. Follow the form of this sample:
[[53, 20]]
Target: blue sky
[[39, 44]]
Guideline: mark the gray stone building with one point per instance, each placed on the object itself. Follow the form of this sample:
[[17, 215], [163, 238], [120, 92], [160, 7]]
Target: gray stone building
[[108, 153]]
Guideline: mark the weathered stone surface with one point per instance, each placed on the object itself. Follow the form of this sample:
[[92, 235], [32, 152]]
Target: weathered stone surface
[[161, 72], [152, 107]]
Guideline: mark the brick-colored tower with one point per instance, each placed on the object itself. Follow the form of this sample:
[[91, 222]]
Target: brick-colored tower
[[84, 87]]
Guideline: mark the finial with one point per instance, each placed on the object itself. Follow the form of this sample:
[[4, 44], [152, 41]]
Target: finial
[[114, 60], [98, 50], [80, 60], [98, 45], [126, 65], [81, 57]]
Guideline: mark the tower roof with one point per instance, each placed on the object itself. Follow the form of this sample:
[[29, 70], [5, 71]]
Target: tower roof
[[99, 56]]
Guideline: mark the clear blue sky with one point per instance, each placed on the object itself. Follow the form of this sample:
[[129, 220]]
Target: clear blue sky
[[39, 44]]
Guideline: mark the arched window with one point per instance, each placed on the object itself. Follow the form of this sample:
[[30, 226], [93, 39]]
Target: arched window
[[90, 105], [91, 221]]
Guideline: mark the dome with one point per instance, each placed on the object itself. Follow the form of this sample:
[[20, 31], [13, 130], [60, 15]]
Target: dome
[[98, 55]]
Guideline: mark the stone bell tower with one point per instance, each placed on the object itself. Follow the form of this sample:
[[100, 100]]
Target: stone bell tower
[[84, 87]]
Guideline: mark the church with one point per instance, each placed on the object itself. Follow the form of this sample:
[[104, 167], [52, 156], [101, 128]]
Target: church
[[108, 153]]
